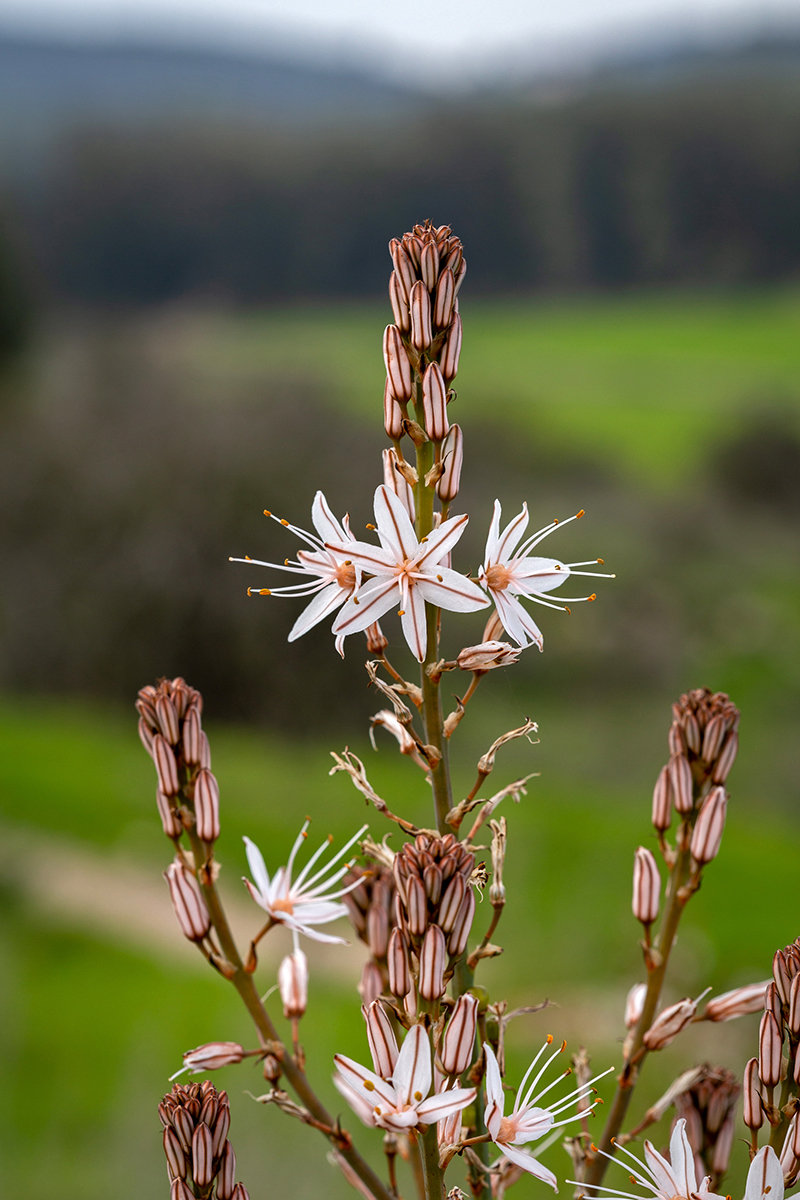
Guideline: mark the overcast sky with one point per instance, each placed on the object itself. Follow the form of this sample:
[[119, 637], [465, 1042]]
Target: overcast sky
[[410, 37]]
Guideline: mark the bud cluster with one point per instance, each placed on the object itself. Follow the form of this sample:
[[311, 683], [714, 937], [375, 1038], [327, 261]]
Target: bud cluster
[[196, 1119], [709, 1109], [434, 906], [172, 734], [703, 743]]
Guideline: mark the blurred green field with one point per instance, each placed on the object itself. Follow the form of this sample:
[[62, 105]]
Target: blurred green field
[[93, 1020]]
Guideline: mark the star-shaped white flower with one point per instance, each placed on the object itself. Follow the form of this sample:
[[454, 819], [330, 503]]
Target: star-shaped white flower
[[510, 570], [528, 1121], [406, 572], [301, 903], [330, 576], [676, 1179], [403, 1103]]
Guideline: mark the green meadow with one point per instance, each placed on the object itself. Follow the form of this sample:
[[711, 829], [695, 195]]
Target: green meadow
[[94, 1016]]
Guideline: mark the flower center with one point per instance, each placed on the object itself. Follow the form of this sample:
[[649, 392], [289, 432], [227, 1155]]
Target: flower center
[[346, 576], [507, 1131], [498, 577], [285, 905]]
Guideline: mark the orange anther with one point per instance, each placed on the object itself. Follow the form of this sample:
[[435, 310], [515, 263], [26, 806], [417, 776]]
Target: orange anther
[[549, 1039], [581, 513], [284, 522]]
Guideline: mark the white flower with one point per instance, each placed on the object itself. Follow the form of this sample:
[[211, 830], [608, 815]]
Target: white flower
[[510, 570], [329, 578], [765, 1177], [301, 903], [406, 572], [673, 1180], [403, 1103], [528, 1122]]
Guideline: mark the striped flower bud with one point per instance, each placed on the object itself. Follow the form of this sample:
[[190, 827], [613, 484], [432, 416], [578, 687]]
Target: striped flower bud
[[206, 806], [399, 302], [429, 265], [213, 1055], [794, 1006], [432, 880], [293, 984], [227, 1173], [680, 774], [707, 833], [459, 275], [646, 886], [736, 1003], [487, 656], [176, 1159], [202, 1156], [452, 461], [770, 1045], [378, 920], [444, 300], [420, 305], [397, 483], [417, 906], [392, 414], [205, 752], [669, 1023], [170, 820], [691, 733], [724, 1144], [187, 900], [434, 403], [662, 801], [404, 271], [780, 973], [167, 719], [634, 1004], [146, 735], [398, 368], [715, 731], [371, 984], [184, 1127], [795, 1132], [398, 964], [752, 1108], [190, 736], [451, 350], [726, 758], [459, 1038], [451, 904], [221, 1125], [772, 1003], [457, 942], [180, 1191], [382, 1042], [676, 740], [240, 1192], [432, 962], [166, 766]]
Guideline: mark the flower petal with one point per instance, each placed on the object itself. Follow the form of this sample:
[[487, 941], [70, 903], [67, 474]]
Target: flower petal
[[681, 1158], [439, 542], [765, 1177], [325, 522], [412, 1073], [363, 1108], [318, 912], [445, 588], [364, 556], [413, 622], [439, 1107], [258, 868], [662, 1173], [522, 1158], [540, 574], [394, 526], [494, 1093], [369, 603], [517, 622], [531, 1124], [324, 603], [493, 536], [511, 536], [365, 1082]]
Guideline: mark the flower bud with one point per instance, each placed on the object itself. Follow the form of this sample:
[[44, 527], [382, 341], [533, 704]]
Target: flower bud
[[712, 739], [202, 1156], [170, 820], [432, 879], [240, 1192], [770, 1045], [727, 757], [457, 942], [676, 739], [378, 920], [213, 1055], [445, 299], [404, 272], [459, 1038], [382, 1042], [487, 656], [176, 1159], [398, 964], [752, 1108], [662, 801], [724, 1144], [166, 766], [634, 1004], [180, 1191], [707, 833], [432, 962], [691, 732], [371, 984], [146, 736], [227, 1173], [434, 403], [293, 984], [669, 1023], [429, 265], [736, 1003], [772, 1003], [646, 886], [187, 900], [417, 906], [167, 719], [451, 904], [788, 1158], [780, 974], [376, 639], [451, 350], [794, 1006], [221, 1125], [796, 1137], [205, 752], [459, 275], [452, 460], [421, 333], [392, 414], [398, 368], [397, 483], [680, 775], [399, 303], [206, 806], [190, 736]]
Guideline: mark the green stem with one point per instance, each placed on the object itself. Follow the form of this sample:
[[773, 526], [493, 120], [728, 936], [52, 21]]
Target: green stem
[[243, 982], [434, 1179]]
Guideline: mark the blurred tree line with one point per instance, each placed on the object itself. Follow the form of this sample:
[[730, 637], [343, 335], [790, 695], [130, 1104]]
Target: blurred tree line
[[693, 183]]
